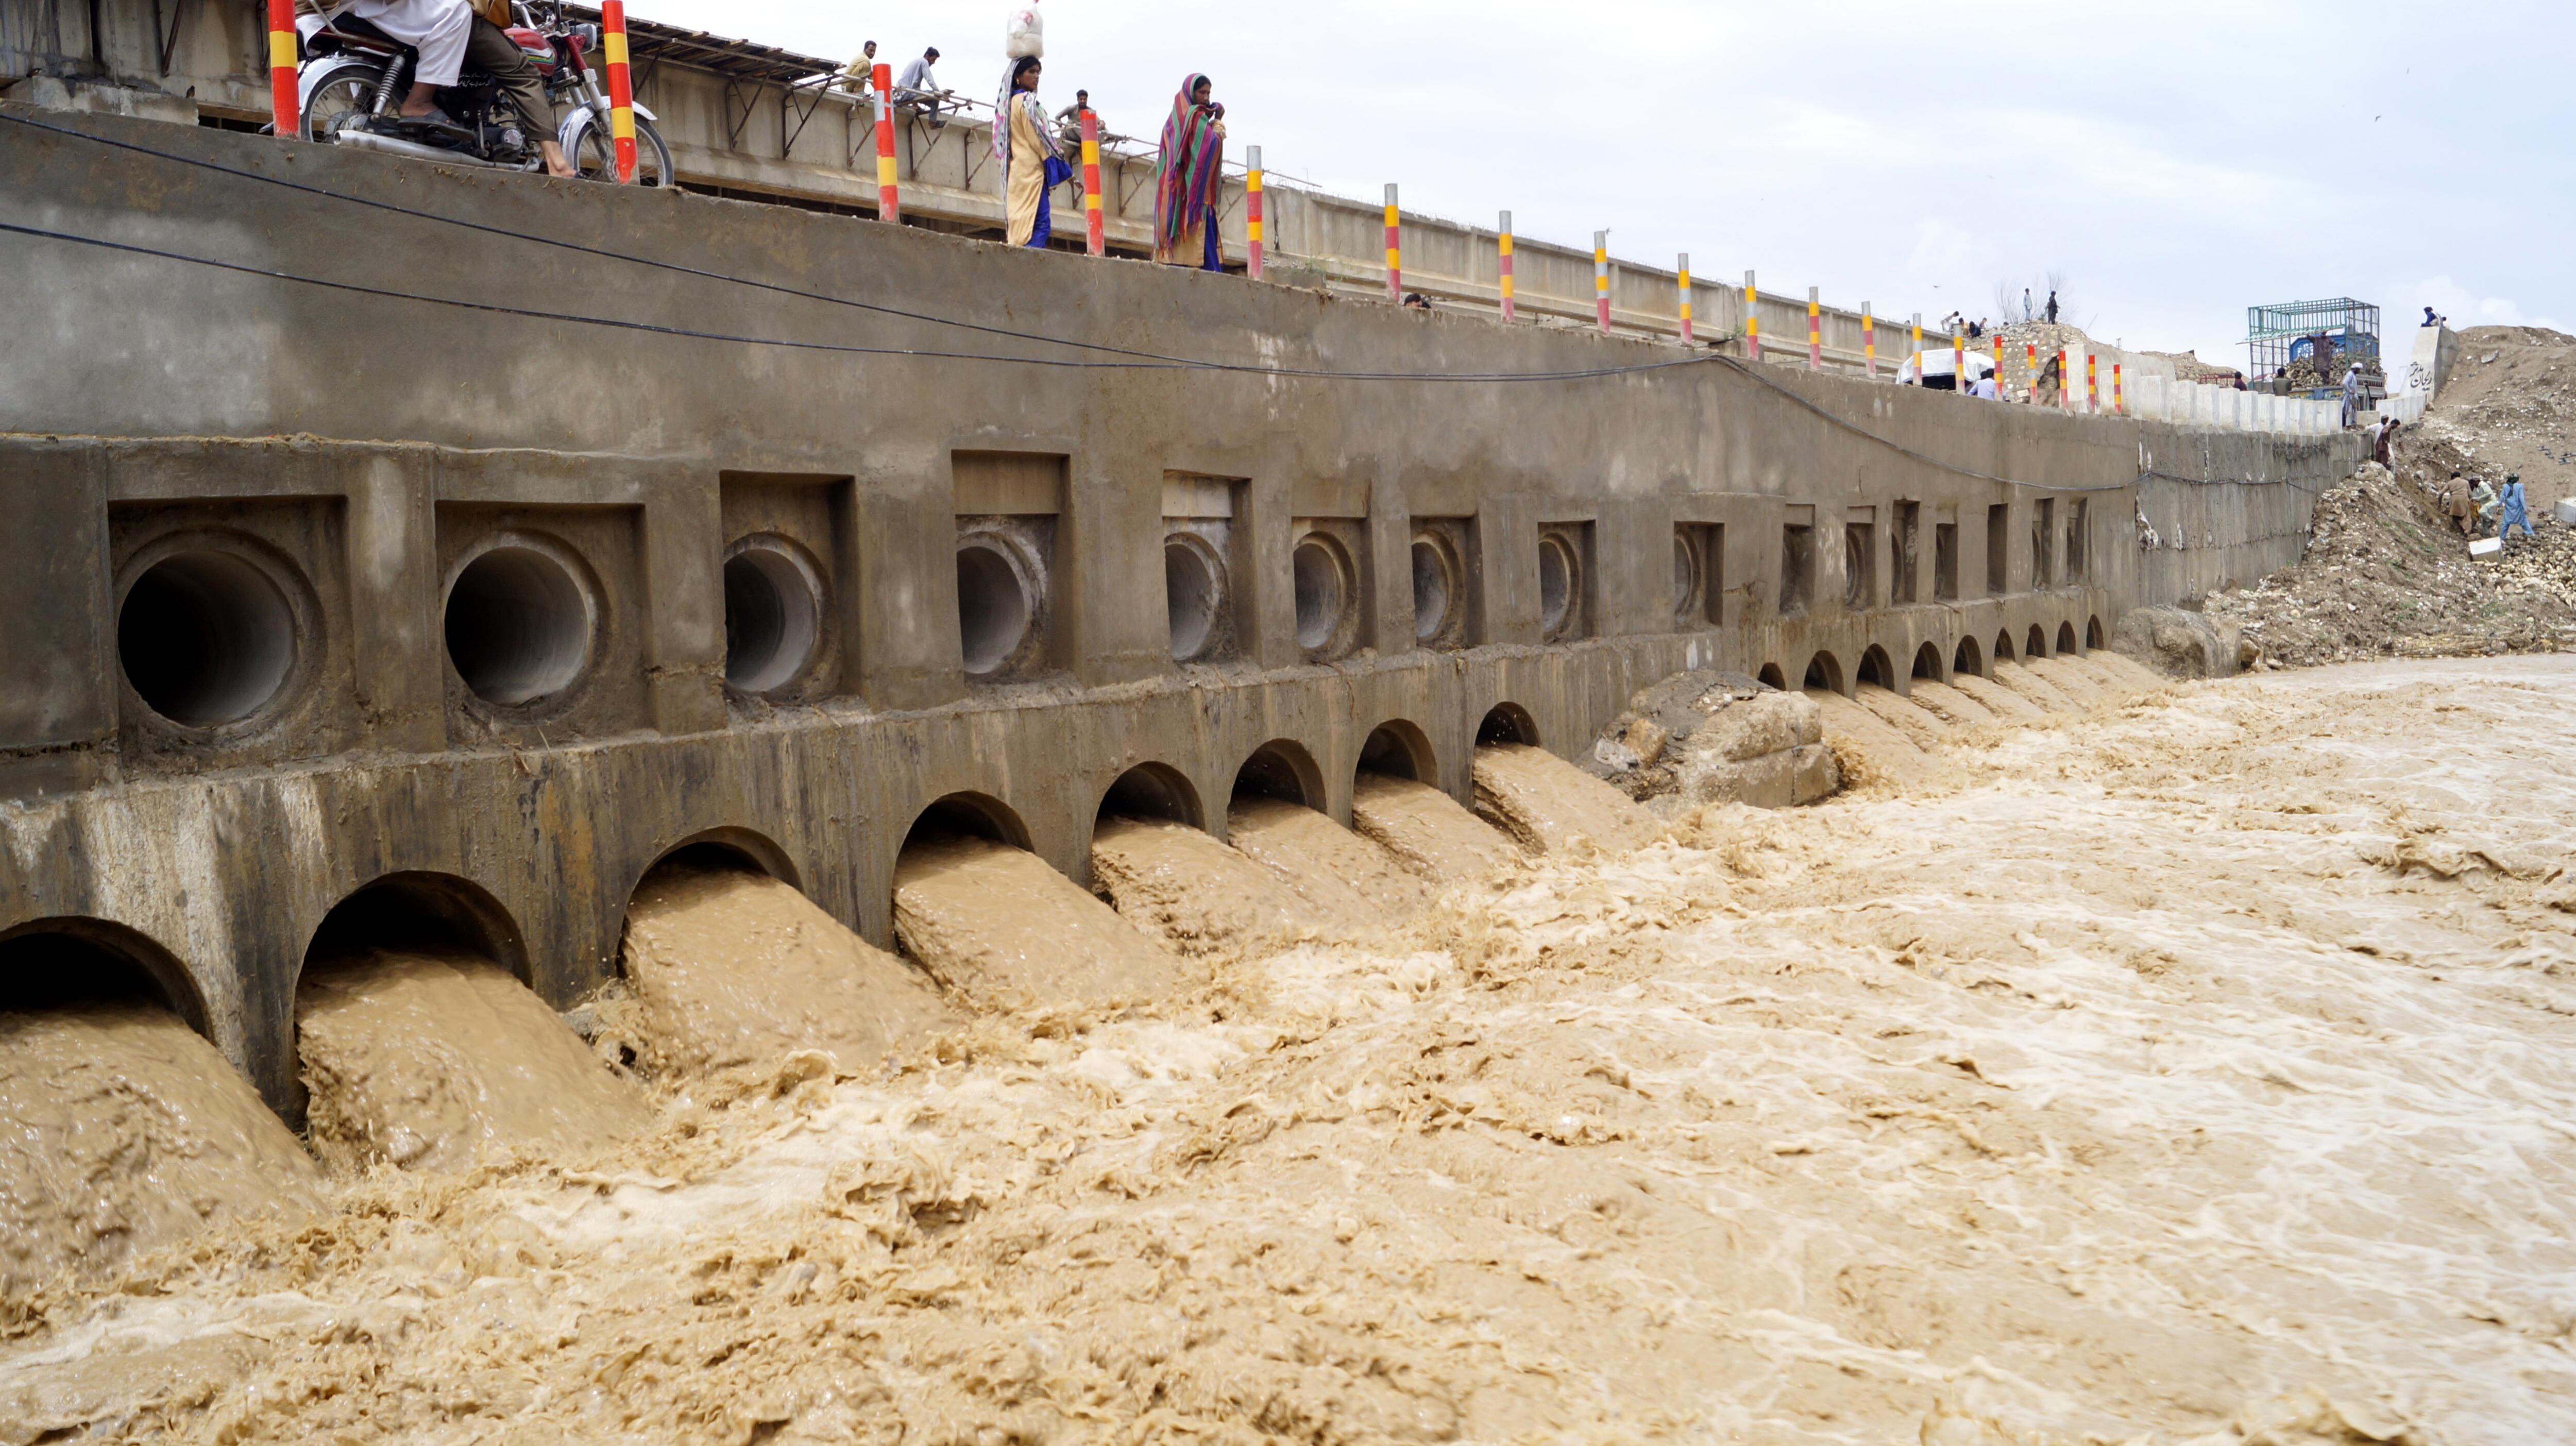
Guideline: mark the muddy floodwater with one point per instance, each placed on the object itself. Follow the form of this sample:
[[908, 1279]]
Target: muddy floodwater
[[2199, 1068]]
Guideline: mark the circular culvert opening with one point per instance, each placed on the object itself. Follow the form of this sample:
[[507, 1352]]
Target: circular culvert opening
[[518, 625], [773, 616], [1685, 578], [1556, 583], [992, 606], [1323, 589], [205, 638], [1193, 587], [1434, 590]]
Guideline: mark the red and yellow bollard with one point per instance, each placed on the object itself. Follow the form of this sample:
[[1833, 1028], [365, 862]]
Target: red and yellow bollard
[[2030, 371], [888, 208], [2092, 384], [2119, 402], [1095, 235], [1918, 349], [2065, 379], [1601, 278], [1868, 342], [1752, 320], [283, 97], [1999, 368], [1686, 306], [1252, 231], [1958, 363], [621, 87], [1815, 332], [1503, 254], [1394, 250]]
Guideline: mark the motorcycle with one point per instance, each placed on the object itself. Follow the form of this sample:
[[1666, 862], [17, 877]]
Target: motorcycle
[[354, 77]]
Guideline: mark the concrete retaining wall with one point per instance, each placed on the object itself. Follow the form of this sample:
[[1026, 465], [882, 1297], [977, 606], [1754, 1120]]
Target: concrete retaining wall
[[356, 459]]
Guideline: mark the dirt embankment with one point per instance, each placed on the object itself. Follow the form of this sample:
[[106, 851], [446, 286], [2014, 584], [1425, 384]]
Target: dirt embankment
[[2385, 574]]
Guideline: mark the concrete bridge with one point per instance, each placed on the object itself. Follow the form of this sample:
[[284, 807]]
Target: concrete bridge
[[396, 546]]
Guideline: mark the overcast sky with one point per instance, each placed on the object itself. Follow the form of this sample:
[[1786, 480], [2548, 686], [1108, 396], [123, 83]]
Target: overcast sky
[[2175, 162]]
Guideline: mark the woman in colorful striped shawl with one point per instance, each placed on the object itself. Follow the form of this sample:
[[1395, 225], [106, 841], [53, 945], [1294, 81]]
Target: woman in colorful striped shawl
[[1189, 179]]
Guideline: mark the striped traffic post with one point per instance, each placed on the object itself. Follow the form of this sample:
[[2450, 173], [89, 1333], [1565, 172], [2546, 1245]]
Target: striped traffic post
[[2092, 383], [1999, 367], [1815, 333], [1095, 231], [1686, 306], [1503, 253], [2030, 371], [2065, 379], [1918, 348], [1958, 363], [1251, 204], [283, 101], [887, 209], [1601, 278], [621, 87], [1868, 342], [1752, 319], [1394, 250], [2119, 402]]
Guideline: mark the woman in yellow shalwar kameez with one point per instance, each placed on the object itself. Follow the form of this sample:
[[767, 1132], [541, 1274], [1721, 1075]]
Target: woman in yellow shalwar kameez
[[1025, 145]]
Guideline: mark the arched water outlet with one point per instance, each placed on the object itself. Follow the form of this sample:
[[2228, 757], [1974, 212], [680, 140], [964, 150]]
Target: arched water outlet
[[773, 614], [1968, 659], [1875, 668], [2065, 638], [519, 623], [1153, 790], [1194, 592], [2037, 645], [1508, 723], [1771, 676], [1281, 769], [1324, 586], [71, 963], [995, 605], [1824, 671], [205, 638], [1927, 662], [1436, 589], [2092, 634], [1398, 749], [2003, 647]]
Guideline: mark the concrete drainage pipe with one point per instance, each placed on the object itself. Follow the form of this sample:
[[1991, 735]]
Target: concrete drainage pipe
[[1558, 577], [205, 638], [773, 615], [1435, 589], [1323, 584], [993, 605], [1193, 589], [519, 624]]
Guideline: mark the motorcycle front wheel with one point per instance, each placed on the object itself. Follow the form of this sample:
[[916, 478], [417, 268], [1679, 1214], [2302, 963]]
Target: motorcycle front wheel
[[593, 154], [336, 92]]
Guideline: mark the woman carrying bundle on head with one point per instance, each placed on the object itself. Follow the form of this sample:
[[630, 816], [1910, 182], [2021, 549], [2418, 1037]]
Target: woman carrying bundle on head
[[1031, 168], [1188, 179]]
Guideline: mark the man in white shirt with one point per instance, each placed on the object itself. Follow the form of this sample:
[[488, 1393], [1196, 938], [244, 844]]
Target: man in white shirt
[[1985, 387], [918, 89]]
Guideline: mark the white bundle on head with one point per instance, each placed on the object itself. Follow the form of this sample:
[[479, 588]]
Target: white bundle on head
[[1024, 33]]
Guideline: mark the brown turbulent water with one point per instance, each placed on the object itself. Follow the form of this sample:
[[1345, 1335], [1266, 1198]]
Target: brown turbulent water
[[1545, 803], [732, 969], [437, 1061], [997, 926], [2196, 1076], [1342, 876]]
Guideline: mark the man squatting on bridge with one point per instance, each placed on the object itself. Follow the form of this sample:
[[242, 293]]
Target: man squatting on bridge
[[449, 35]]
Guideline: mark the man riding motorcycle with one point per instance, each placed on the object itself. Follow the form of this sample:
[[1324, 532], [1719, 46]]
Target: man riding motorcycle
[[449, 35]]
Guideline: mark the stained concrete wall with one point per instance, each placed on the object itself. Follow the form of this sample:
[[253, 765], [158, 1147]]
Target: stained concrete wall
[[358, 451]]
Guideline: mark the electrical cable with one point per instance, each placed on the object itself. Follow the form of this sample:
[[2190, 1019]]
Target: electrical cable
[[926, 354], [803, 295]]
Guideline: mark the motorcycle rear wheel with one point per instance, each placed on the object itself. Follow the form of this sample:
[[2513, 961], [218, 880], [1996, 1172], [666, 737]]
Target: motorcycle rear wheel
[[594, 155]]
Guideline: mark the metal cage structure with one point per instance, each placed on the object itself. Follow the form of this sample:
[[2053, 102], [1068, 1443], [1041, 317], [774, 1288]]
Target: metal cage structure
[[2311, 342]]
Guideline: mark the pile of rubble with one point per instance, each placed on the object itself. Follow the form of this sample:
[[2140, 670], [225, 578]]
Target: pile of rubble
[[2510, 406], [1716, 737]]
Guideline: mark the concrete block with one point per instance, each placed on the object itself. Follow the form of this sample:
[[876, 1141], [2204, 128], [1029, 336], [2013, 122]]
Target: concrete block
[[1815, 775], [2565, 511], [2486, 547]]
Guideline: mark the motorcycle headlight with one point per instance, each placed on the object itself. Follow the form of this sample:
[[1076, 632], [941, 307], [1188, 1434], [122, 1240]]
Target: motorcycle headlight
[[588, 35]]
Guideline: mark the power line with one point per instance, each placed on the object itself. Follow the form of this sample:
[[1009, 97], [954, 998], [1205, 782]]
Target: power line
[[1167, 361]]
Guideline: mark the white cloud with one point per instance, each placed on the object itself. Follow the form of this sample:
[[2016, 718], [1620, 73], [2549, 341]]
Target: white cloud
[[2464, 307]]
